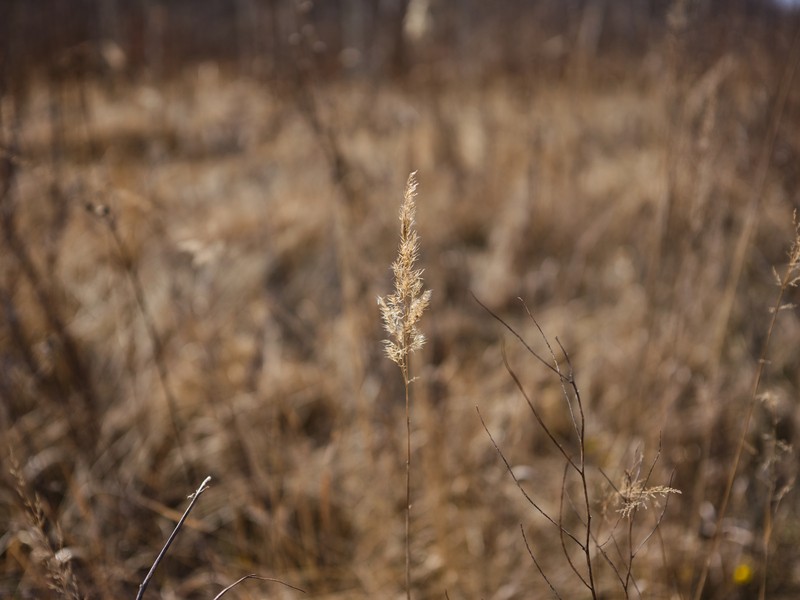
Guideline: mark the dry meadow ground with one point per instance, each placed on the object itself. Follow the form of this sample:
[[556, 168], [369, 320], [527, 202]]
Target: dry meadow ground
[[190, 268]]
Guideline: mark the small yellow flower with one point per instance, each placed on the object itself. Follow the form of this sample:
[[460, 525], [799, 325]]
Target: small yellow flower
[[742, 574]]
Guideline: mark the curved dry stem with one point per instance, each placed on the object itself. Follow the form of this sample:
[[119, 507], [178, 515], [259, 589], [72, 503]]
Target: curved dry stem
[[260, 578]]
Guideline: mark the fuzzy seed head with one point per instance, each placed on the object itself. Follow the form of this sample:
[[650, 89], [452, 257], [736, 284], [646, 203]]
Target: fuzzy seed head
[[402, 309]]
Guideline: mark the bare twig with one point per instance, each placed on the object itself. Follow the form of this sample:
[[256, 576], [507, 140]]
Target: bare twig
[[516, 335], [536, 414], [536, 562], [582, 446], [530, 500], [194, 497], [562, 380], [560, 521]]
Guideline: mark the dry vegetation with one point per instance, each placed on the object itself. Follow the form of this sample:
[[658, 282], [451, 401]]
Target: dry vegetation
[[189, 266]]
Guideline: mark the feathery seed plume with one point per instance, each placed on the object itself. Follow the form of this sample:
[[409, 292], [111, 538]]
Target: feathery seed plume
[[402, 309]]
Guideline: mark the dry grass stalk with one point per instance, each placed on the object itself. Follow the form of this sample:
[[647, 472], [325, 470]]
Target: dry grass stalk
[[194, 497], [259, 578], [193, 500], [400, 312], [648, 155], [58, 571]]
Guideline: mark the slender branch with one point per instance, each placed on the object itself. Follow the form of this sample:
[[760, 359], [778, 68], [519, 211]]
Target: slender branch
[[562, 380], [516, 335], [560, 521], [536, 562], [536, 415], [582, 446], [203, 487], [519, 484], [607, 558], [631, 552]]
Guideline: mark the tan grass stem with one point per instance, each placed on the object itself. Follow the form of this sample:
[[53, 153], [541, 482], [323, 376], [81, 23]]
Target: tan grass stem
[[400, 312], [194, 497]]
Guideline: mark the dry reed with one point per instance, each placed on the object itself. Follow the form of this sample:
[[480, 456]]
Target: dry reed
[[400, 312]]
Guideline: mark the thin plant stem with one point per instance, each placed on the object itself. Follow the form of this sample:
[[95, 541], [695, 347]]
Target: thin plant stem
[[408, 491], [527, 496], [195, 496], [260, 578], [400, 312], [536, 563]]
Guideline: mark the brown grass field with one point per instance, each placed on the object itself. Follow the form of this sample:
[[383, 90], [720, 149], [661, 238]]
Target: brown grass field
[[191, 251]]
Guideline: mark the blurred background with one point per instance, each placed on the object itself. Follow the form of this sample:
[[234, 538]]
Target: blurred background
[[377, 38], [198, 208]]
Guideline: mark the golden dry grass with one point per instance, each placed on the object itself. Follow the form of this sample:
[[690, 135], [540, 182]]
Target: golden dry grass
[[613, 206]]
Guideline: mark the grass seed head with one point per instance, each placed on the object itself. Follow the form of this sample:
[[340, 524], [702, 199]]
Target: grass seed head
[[402, 309]]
